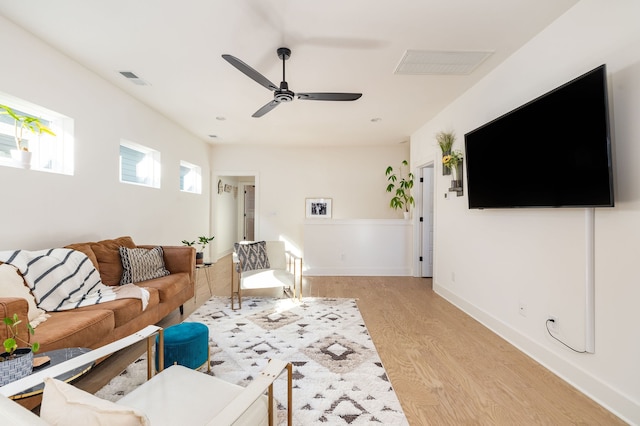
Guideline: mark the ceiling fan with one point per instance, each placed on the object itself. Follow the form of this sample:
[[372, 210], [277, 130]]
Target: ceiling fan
[[282, 92]]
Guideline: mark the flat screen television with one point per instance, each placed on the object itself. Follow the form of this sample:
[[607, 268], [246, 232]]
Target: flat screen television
[[554, 151]]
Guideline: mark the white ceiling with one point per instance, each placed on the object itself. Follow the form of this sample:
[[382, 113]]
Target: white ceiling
[[337, 46]]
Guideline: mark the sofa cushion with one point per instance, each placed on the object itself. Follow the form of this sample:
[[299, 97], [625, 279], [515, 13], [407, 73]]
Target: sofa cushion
[[12, 285], [170, 286], [76, 328], [64, 404], [86, 249], [124, 310], [140, 264], [252, 255], [108, 255]]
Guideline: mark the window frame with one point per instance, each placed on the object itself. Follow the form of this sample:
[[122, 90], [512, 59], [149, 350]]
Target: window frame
[[197, 176], [152, 161], [54, 154]]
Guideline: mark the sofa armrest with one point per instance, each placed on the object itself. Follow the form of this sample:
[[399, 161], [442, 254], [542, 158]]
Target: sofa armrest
[[10, 306], [177, 258]]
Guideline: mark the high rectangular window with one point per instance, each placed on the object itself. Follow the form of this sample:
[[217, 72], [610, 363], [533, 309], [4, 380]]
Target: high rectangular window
[[139, 164], [48, 153], [190, 178]]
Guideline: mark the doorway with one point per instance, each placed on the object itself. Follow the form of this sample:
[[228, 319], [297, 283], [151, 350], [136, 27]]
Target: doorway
[[228, 209], [425, 225]]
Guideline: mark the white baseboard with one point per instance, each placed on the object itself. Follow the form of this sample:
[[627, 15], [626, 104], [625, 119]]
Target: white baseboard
[[594, 388], [360, 272]]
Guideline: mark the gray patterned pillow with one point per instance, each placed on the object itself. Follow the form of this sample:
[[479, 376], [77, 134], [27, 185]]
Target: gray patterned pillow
[[252, 255], [139, 264]]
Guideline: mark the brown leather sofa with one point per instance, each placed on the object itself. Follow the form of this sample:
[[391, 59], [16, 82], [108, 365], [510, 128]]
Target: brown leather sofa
[[96, 325]]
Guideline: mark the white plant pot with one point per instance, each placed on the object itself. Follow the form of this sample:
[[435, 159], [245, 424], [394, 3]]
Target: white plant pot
[[406, 215], [21, 158]]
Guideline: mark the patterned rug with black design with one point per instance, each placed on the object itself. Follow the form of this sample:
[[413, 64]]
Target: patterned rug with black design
[[338, 377]]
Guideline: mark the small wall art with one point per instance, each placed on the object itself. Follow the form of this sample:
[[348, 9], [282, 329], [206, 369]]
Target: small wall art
[[318, 208]]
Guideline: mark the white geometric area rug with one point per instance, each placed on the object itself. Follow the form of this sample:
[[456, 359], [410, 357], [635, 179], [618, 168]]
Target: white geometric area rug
[[338, 378]]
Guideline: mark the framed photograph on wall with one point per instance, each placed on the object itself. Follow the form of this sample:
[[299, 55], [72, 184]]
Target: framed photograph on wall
[[318, 208]]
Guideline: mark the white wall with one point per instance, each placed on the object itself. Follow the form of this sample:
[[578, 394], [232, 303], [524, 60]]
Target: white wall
[[41, 210], [359, 247], [352, 176], [535, 257]]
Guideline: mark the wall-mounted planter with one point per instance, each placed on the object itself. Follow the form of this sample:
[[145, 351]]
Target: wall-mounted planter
[[456, 184], [445, 170]]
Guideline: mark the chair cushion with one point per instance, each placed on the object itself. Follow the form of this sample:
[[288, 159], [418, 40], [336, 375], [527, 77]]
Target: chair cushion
[[64, 404], [140, 264], [252, 255], [267, 278], [277, 254]]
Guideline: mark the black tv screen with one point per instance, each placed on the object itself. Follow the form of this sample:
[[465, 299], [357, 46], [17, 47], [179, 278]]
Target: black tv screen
[[554, 151]]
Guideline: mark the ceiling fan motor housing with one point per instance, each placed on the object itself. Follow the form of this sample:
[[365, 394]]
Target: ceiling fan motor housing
[[284, 94]]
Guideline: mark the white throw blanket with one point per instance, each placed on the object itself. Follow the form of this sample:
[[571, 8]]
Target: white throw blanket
[[61, 279]]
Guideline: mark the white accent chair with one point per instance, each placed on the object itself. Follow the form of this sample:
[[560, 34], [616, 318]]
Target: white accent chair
[[285, 271], [176, 395]]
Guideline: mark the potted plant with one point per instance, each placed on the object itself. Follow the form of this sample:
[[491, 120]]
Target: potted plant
[[445, 141], [202, 242], [22, 122], [400, 185], [16, 362]]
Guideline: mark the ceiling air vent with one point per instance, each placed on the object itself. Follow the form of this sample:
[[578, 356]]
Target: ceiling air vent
[[418, 62], [133, 78]]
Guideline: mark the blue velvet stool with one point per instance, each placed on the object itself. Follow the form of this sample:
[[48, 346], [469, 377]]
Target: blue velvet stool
[[186, 344]]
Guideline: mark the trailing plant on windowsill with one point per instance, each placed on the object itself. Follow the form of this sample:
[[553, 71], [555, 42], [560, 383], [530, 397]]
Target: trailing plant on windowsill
[[33, 124], [400, 185], [11, 342]]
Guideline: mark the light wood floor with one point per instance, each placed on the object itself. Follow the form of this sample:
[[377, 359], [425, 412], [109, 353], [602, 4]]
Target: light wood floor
[[446, 368]]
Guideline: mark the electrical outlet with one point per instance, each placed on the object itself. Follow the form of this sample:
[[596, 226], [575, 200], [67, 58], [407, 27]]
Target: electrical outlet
[[522, 309], [453, 277], [554, 324]]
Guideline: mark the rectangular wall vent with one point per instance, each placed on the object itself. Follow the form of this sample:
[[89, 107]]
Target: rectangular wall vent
[[418, 62]]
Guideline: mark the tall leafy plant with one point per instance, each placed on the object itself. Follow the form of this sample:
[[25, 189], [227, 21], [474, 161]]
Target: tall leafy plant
[[400, 186]]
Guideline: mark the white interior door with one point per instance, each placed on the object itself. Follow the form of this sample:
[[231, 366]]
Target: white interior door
[[249, 212], [426, 223]]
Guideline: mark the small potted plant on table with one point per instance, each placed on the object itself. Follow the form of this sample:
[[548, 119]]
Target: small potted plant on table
[[202, 242], [16, 362]]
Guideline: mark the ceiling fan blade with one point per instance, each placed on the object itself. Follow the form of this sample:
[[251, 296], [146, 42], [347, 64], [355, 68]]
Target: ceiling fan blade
[[250, 72], [265, 109], [329, 96]]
